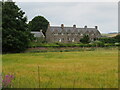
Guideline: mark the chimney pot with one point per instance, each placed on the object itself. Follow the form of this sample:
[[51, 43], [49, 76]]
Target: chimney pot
[[62, 25], [85, 27], [74, 26], [96, 27]]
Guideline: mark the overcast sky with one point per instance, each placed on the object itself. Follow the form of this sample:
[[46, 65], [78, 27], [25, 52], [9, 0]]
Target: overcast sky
[[102, 14]]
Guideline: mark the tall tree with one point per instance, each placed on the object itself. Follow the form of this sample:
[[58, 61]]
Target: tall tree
[[15, 35], [38, 23], [0, 27]]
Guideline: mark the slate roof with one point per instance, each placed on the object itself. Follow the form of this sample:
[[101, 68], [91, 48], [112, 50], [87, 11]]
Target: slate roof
[[72, 29], [37, 34]]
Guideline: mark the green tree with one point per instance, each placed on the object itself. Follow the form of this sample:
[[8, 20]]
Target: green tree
[[117, 38], [107, 39], [85, 39], [0, 27], [15, 35], [38, 23]]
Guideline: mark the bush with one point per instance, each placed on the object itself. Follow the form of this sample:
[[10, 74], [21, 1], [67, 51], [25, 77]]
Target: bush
[[97, 44], [117, 38], [85, 39], [15, 34], [107, 40]]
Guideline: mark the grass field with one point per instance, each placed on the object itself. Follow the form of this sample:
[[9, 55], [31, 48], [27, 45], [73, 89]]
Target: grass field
[[110, 35], [83, 69]]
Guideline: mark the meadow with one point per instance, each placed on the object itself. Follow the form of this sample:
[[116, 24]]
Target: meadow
[[75, 69]]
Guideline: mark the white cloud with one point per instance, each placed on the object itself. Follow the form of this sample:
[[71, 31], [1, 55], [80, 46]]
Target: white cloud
[[102, 14], [66, 0]]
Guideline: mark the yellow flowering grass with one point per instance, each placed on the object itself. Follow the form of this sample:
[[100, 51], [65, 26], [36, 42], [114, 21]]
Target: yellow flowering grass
[[83, 69]]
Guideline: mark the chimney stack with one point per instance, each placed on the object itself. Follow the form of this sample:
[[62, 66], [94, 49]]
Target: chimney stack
[[74, 26], [9, 1], [96, 27], [62, 26], [85, 27]]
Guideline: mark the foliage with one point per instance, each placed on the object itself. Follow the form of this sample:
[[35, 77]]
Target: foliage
[[7, 81], [107, 40], [38, 23], [92, 44], [117, 38], [85, 39], [15, 35], [97, 43]]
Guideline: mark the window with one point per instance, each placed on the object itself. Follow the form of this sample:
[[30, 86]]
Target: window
[[68, 39], [59, 39], [73, 40], [56, 34], [81, 34], [92, 34], [59, 33], [69, 34], [76, 34]]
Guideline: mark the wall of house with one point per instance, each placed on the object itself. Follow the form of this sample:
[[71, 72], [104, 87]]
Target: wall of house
[[72, 37]]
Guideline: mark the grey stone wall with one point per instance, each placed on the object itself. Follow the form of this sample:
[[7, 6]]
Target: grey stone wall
[[70, 34]]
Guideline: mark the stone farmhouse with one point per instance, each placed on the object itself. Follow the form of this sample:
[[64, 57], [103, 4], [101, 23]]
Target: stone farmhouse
[[70, 34]]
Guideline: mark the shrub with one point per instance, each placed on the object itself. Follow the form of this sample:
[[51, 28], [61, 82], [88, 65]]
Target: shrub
[[107, 40], [85, 39]]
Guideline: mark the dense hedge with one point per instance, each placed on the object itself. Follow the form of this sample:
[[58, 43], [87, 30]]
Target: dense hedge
[[95, 44]]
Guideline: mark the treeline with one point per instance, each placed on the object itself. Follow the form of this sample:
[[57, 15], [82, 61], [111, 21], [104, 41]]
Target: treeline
[[17, 37], [115, 39], [16, 33]]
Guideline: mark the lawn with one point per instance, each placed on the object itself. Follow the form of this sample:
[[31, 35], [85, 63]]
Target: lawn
[[79, 69]]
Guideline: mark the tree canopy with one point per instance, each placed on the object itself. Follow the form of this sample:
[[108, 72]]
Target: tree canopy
[[15, 35], [38, 23], [117, 37]]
